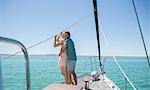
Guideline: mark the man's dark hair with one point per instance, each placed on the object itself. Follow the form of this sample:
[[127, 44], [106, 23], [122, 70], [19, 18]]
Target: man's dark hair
[[68, 34]]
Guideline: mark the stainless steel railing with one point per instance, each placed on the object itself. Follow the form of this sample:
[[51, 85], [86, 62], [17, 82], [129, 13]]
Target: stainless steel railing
[[24, 50], [125, 77]]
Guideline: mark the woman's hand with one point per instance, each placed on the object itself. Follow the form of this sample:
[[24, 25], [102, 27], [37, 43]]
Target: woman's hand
[[55, 39], [55, 36]]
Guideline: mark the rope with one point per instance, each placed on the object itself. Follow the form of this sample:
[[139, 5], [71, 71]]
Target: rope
[[141, 33], [114, 58], [137, 87], [120, 66], [136, 79], [72, 25]]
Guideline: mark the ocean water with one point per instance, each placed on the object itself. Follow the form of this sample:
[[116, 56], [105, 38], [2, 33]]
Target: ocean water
[[44, 71]]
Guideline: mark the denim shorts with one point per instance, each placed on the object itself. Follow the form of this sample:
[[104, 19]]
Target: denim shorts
[[71, 64]]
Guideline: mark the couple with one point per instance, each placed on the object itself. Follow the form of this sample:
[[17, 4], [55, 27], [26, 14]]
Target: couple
[[67, 57]]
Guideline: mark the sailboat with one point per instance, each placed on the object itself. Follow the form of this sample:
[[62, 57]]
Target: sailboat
[[96, 80]]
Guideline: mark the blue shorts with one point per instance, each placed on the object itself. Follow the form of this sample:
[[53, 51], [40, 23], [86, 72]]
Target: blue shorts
[[71, 64]]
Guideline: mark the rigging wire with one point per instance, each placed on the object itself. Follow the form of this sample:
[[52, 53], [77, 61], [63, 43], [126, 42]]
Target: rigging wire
[[114, 58], [117, 62], [72, 25], [141, 33]]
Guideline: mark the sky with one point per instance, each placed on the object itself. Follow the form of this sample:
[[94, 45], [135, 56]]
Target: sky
[[31, 21]]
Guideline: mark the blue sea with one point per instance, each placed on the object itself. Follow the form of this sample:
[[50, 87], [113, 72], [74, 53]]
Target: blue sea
[[44, 71]]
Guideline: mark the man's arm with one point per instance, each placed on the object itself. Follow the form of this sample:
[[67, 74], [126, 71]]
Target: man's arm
[[63, 49]]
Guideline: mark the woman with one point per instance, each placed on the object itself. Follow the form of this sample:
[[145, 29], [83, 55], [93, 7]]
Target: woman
[[63, 56]]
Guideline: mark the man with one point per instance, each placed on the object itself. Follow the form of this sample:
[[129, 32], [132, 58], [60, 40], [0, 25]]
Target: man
[[71, 57]]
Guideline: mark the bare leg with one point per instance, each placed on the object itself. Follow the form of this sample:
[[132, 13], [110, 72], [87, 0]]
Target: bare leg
[[64, 72], [69, 77], [72, 80], [74, 77]]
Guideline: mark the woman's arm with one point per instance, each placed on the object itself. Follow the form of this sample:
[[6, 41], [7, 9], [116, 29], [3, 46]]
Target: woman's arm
[[56, 41]]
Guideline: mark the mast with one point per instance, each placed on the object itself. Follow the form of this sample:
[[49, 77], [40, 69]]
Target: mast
[[97, 30]]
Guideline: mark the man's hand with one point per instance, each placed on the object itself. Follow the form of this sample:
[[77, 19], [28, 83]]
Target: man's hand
[[59, 54], [62, 50]]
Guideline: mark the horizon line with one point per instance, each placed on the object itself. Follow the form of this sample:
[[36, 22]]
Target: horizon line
[[82, 55]]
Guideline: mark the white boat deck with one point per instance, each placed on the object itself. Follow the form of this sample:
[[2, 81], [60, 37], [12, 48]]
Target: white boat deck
[[62, 87], [104, 83], [97, 85]]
